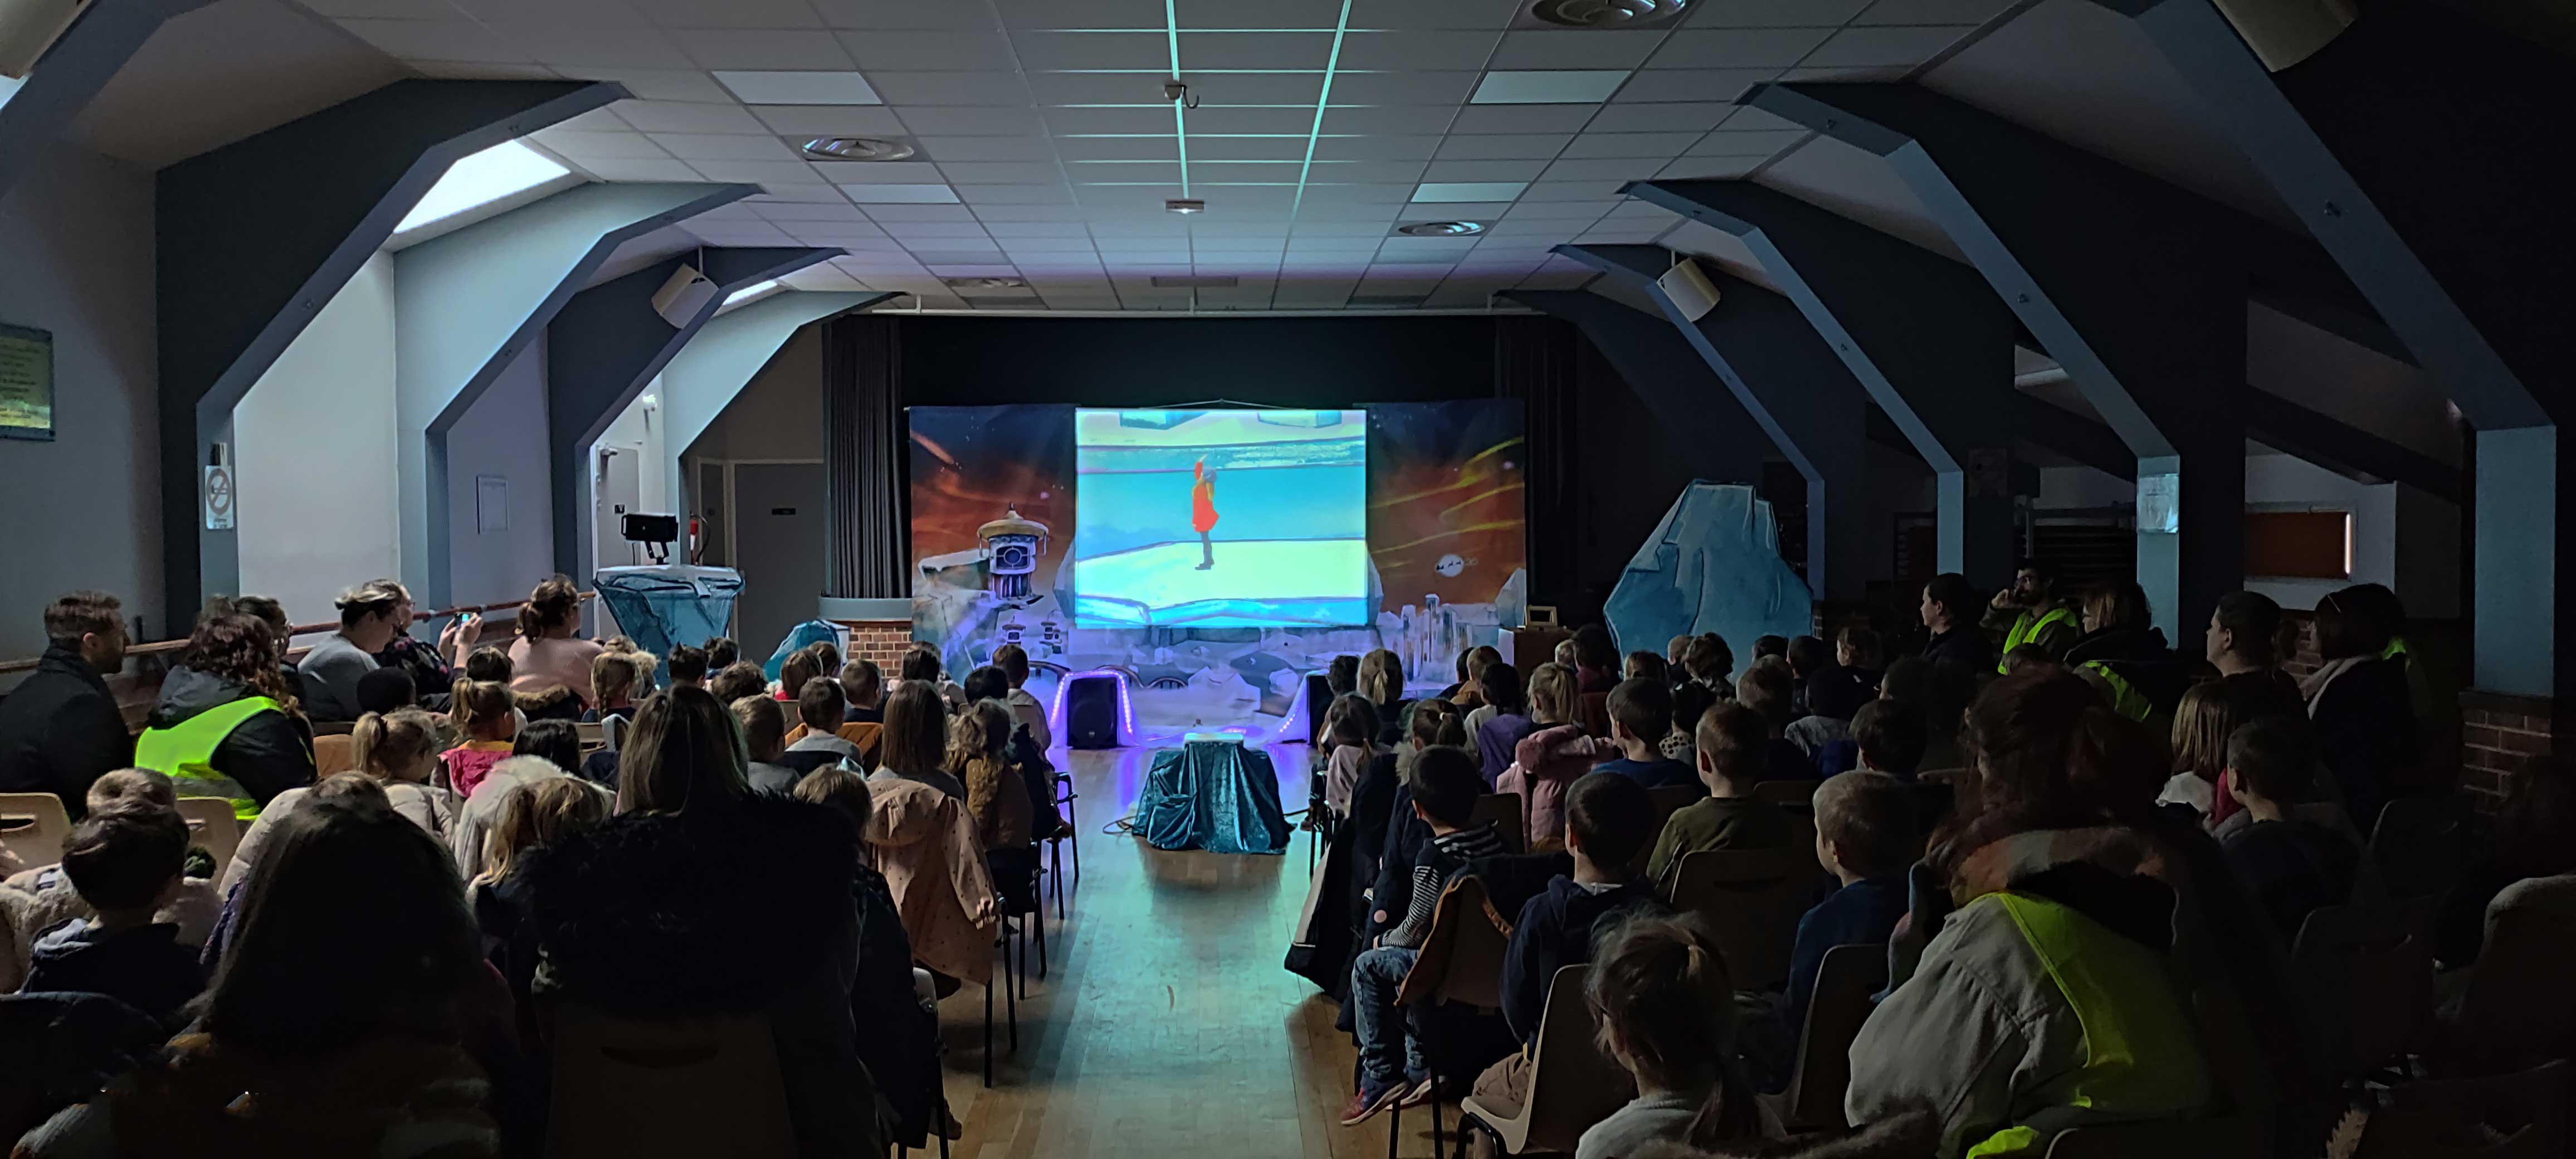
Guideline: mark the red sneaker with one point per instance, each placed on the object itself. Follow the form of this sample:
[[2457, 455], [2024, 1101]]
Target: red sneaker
[[1362, 1108]]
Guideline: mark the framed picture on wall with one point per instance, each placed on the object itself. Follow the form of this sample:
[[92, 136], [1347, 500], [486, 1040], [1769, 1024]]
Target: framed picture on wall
[[26, 383]]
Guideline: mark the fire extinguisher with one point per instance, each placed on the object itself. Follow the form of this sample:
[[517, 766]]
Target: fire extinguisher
[[697, 548]]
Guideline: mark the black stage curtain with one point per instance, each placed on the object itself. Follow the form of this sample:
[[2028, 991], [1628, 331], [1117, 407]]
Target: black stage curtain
[[1534, 361], [865, 445]]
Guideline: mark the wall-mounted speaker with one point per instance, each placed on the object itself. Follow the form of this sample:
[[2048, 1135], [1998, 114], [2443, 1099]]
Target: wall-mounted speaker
[[681, 298], [1687, 287]]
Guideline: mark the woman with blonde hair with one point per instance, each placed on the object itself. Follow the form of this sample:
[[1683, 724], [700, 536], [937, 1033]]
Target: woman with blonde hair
[[546, 652]]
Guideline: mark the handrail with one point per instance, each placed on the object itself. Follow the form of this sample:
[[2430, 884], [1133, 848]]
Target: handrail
[[160, 647]]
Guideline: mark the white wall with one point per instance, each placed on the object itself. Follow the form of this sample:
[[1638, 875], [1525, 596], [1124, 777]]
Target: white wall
[[779, 414], [316, 447], [83, 511], [503, 435]]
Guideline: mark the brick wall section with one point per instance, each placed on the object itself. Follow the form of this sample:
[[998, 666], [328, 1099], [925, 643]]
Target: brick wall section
[[883, 641], [2500, 737]]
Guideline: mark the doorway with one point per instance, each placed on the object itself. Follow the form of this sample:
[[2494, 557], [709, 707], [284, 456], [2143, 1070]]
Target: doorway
[[777, 539]]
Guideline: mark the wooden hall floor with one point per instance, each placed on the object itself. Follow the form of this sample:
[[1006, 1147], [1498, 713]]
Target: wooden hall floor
[[1165, 1025]]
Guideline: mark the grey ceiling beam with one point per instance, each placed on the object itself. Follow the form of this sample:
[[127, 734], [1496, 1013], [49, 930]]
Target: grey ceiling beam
[[706, 377], [606, 344], [2127, 282], [2075, 436], [469, 303], [2345, 449], [1794, 389], [1923, 335], [2444, 200], [1668, 376], [70, 74], [253, 239]]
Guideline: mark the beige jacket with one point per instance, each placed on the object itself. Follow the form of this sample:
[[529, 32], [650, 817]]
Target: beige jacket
[[924, 842]]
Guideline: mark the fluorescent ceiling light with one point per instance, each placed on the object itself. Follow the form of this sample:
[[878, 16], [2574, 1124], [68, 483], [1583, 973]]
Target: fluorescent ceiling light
[[800, 88], [753, 290], [1447, 191], [9, 88], [485, 177], [1555, 87], [901, 194]]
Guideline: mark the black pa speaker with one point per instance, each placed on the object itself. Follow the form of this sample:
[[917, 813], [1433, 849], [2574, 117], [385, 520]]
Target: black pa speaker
[[1319, 700], [1091, 712]]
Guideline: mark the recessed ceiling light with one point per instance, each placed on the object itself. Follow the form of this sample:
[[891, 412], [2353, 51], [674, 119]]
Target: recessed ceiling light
[[1469, 190], [800, 88], [855, 149], [1548, 87], [1185, 205], [1441, 228], [871, 194], [1600, 13], [987, 283], [480, 179]]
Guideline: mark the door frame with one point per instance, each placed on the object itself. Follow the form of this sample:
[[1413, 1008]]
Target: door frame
[[733, 509]]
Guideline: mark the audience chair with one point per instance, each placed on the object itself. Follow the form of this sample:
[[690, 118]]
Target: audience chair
[[2229, 1138], [679, 1086], [1821, 1073], [1072, 831], [333, 754], [2513, 1116], [212, 826], [2369, 971], [1462, 963], [34, 826], [2420, 846], [1511, 822], [1572, 1085], [2513, 1008], [1753, 900], [1793, 794], [1592, 711], [1668, 801], [1010, 994], [593, 734]]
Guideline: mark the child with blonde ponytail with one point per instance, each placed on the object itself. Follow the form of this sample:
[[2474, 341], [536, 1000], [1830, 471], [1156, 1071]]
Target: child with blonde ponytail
[[1666, 1010], [481, 711], [397, 752]]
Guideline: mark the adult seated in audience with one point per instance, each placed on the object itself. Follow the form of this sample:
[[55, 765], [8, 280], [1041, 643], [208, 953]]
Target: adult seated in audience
[[1557, 750], [863, 683], [1392, 1064], [1887, 737], [899, 1041], [272, 613], [1506, 718], [431, 666], [914, 745], [1691, 701], [486, 730], [1606, 822], [687, 665], [350, 1001], [1733, 748], [35, 900], [124, 862], [740, 902], [764, 739], [1866, 838], [2029, 612], [2363, 709], [722, 652], [820, 707], [388, 689], [1991, 1027], [1767, 688], [2293, 865], [1013, 660], [399, 752], [1660, 991], [737, 680], [546, 652], [2243, 644], [334, 665], [1950, 610], [1712, 664], [60, 728], [1382, 682], [1641, 712], [2124, 653], [534, 817], [226, 725], [1351, 730]]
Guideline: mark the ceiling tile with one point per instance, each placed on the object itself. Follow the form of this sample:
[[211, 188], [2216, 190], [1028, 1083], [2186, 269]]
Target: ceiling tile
[[878, 172], [810, 193], [987, 148], [1932, 11], [1342, 197], [1391, 120], [1098, 88], [919, 230], [384, 9], [1402, 88], [931, 51], [930, 121], [1266, 14], [981, 195], [474, 70], [1063, 50], [1224, 50], [951, 88], [1522, 118], [1503, 146], [1245, 172], [1163, 148], [840, 211], [1772, 13], [798, 87], [1155, 121], [1390, 148], [900, 194], [728, 13], [1575, 49], [1019, 245], [1602, 169], [1868, 47], [1572, 190], [586, 147], [1435, 191], [456, 40], [1123, 172], [1030, 214], [1551, 210], [1211, 119], [687, 117], [903, 211], [1738, 47], [1035, 229], [579, 45], [594, 13], [785, 172], [1210, 148], [1250, 88], [736, 232], [724, 147], [1660, 118], [760, 48], [1693, 84], [1523, 170], [1461, 50], [1001, 172], [1748, 118], [641, 170], [1759, 143], [659, 84], [830, 120], [1631, 144], [1563, 86], [1703, 167], [1363, 172]]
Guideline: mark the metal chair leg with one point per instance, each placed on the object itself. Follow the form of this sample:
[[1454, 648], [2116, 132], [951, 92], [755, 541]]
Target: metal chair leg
[[1394, 1128], [1039, 919], [988, 1036], [1010, 1000]]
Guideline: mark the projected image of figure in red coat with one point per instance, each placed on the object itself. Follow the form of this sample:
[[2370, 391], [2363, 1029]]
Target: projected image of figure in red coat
[[1203, 511]]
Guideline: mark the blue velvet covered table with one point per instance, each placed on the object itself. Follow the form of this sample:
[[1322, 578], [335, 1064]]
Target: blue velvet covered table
[[1215, 795]]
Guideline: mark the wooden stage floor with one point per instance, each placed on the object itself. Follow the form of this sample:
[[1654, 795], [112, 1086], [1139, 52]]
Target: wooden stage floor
[[1165, 1025]]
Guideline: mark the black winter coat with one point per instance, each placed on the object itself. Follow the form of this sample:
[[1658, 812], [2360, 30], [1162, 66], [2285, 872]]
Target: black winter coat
[[60, 730], [267, 755]]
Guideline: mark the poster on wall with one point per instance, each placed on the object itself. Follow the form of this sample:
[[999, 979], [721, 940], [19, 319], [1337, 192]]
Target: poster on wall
[[26, 383], [1211, 558]]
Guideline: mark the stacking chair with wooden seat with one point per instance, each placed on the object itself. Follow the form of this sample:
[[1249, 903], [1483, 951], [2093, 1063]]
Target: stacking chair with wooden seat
[[676, 1086], [1572, 1085], [2368, 969], [2512, 1116], [1668, 800], [1460, 962], [1752, 901], [333, 754], [34, 826], [212, 827], [1510, 823], [1821, 1072]]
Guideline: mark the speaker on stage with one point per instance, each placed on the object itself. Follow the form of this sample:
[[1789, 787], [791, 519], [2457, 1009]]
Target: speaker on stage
[[1319, 699], [1091, 715]]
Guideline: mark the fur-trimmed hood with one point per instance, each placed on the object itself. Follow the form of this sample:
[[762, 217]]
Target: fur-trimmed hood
[[709, 910]]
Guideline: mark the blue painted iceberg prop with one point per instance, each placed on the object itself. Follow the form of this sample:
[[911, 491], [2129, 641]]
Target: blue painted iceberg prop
[[1712, 565]]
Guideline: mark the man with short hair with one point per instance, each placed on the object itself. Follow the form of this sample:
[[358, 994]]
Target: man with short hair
[[2240, 644], [822, 707], [61, 729], [2029, 612]]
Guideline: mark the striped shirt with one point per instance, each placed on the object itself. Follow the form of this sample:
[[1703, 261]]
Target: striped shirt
[[1442, 857]]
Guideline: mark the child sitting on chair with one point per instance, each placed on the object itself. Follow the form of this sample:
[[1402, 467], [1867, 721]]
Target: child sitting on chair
[[1667, 1016], [1734, 743]]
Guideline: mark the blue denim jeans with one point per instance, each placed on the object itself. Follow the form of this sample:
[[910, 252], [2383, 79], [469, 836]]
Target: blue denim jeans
[[1390, 1050]]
